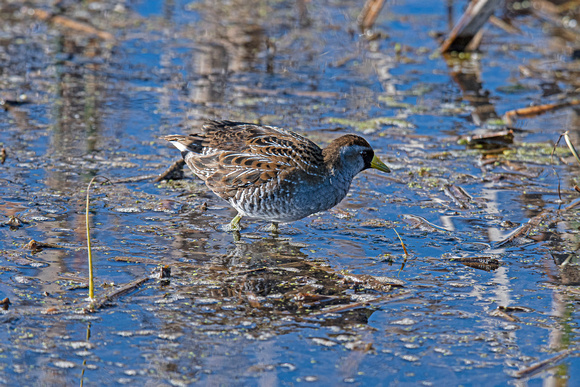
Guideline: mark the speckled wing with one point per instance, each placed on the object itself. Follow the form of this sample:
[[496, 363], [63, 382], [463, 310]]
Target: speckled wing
[[232, 156]]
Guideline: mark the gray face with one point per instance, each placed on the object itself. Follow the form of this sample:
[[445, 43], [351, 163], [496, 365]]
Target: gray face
[[357, 157]]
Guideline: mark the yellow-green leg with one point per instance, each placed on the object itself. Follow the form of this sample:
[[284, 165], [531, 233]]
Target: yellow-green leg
[[274, 228], [235, 223]]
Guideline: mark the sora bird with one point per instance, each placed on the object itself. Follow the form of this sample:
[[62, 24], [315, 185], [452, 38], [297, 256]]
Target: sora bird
[[273, 174]]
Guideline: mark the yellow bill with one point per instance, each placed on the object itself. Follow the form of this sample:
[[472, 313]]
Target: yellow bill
[[376, 163]]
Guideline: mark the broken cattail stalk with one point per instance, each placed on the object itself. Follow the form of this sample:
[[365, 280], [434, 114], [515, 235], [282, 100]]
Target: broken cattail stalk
[[369, 14], [467, 29], [533, 111], [71, 24]]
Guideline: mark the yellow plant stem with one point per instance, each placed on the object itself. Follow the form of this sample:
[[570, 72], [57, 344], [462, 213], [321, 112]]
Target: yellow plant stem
[[571, 146], [402, 244], [91, 277]]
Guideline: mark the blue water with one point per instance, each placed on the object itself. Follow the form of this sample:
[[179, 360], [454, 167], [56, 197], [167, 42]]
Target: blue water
[[252, 312]]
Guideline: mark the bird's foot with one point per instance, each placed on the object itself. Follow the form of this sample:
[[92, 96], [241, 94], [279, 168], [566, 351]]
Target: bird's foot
[[234, 224], [273, 228]]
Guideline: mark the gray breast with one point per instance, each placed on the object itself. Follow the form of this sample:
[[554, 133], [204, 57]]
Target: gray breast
[[291, 201]]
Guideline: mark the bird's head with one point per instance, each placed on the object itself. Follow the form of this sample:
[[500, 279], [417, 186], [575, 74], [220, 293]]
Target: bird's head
[[351, 153]]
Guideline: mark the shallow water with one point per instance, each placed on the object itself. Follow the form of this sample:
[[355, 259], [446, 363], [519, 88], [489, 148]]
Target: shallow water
[[283, 309]]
